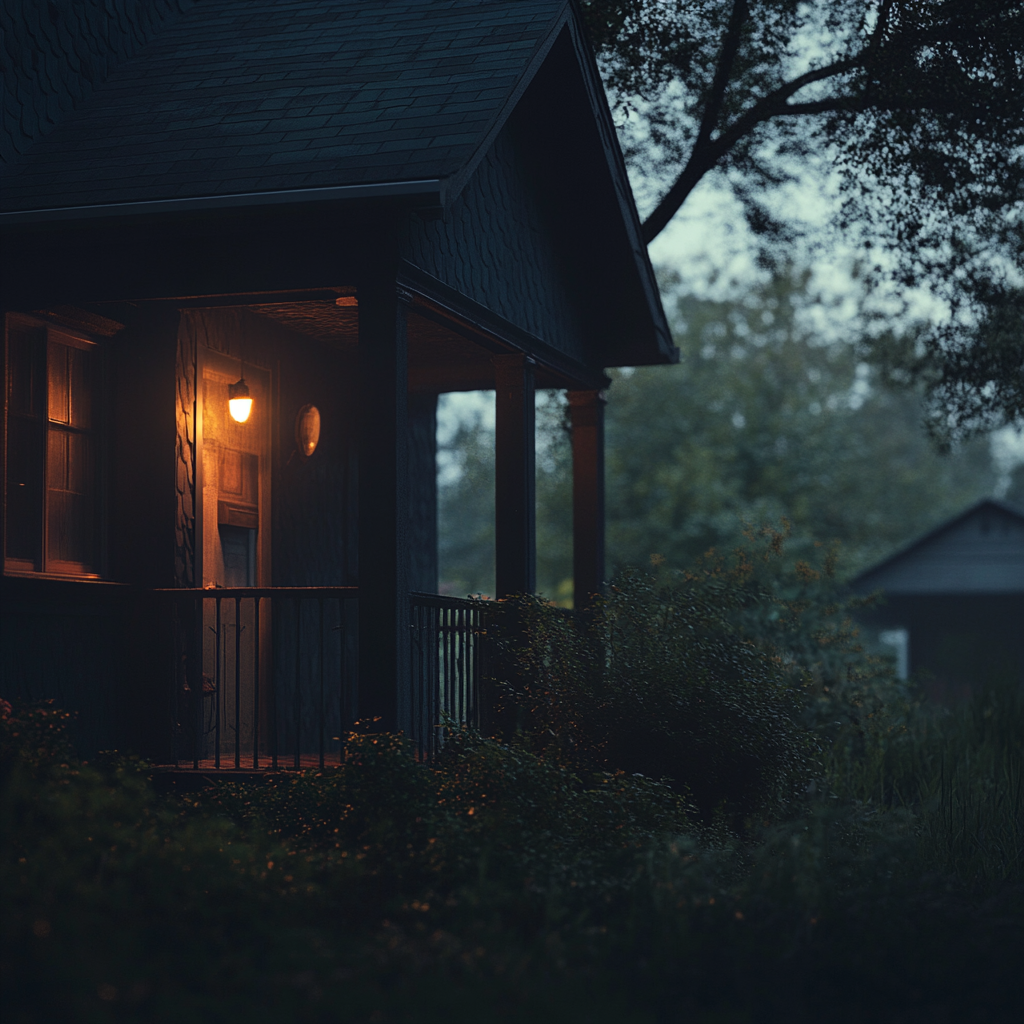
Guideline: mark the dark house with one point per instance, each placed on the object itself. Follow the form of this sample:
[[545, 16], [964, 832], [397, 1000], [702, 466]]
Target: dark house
[[352, 206], [954, 601]]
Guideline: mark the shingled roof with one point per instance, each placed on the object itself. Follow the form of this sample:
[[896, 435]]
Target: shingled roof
[[236, 97]]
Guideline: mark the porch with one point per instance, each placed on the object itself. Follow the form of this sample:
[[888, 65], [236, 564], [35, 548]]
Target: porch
[[267, 677]]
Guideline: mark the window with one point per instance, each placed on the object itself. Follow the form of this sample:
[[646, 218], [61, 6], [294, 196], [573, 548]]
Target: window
[[52, 453]]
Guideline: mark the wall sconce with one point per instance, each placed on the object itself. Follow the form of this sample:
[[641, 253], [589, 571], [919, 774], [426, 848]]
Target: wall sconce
[[239, 401], [307, 429]]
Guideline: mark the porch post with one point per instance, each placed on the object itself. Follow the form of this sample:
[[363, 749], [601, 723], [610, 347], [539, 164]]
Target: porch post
[[514, 476], [384, 656], [586, 413]]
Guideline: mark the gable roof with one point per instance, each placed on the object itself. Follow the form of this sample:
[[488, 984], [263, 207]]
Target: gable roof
[[276, 97], [980, 551], [174, 106]]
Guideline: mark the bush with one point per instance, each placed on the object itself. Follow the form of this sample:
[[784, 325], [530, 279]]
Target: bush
[[494, 884], [714, 679]]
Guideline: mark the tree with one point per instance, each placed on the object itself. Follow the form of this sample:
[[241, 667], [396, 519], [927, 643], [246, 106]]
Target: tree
[[916, 104], [761, 420]]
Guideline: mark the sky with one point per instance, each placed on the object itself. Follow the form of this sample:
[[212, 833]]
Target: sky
[[708, 244]]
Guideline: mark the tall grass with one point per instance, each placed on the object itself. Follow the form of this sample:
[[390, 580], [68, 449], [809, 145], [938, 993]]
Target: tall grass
[[958, 772], [498, 884]]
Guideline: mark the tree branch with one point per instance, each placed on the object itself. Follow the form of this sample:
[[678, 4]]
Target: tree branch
[[706, 153], [723, 69]]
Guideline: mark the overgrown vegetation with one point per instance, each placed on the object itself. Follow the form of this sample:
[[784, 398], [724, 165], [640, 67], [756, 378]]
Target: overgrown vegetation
[[822, 847], [773, 412]]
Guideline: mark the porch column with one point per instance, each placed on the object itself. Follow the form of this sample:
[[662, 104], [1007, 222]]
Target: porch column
[[515, 519], [586, 413], [384, 660]]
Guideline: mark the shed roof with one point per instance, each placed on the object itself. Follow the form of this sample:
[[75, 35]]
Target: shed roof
[[980, 551], [232, 97]]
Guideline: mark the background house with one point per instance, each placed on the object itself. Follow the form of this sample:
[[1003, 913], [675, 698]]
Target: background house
[[953, 602], [356, 206]]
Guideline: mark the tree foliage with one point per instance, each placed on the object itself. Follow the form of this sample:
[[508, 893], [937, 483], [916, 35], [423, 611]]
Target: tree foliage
[[764, 419], [916, 105]]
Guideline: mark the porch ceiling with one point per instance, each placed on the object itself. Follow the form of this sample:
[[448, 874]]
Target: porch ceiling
[[441, 357]]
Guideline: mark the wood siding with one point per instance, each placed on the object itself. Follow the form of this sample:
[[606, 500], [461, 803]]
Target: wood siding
[[497, 246]]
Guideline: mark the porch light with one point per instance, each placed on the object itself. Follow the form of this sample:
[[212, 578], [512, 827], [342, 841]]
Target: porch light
[[307, 429], [239, 401]]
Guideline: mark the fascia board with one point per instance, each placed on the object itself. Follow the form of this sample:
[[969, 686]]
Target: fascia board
[[587, 63], [457, 182], [430, 191]]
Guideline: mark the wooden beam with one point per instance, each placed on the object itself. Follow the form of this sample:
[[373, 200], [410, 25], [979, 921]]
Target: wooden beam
[[384, 656], [423, 493], [586, 413], [515, 476]]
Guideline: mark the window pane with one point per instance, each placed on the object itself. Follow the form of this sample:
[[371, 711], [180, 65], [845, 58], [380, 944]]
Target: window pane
[[71, 498], [24, 361], [82, 388], [81, 472], [24, 488], [57, 460], [59, 383], [53, 501]]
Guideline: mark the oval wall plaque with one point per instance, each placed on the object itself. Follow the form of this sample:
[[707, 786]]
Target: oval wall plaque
[[307, 429]]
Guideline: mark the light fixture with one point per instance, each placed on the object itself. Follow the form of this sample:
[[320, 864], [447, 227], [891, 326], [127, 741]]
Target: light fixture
[[307, 429], [239, 401]]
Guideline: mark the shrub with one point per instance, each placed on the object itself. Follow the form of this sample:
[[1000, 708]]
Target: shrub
[[701, 678]]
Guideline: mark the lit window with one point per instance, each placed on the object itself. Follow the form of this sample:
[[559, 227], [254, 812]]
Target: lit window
[[52, 506]]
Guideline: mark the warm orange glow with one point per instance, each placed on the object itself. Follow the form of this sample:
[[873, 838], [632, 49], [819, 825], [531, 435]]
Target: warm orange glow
[[239, 401], [307, 429], [240, 408]]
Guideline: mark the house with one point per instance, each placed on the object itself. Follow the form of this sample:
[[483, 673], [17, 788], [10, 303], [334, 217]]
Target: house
[[328, 212], [953, 602]]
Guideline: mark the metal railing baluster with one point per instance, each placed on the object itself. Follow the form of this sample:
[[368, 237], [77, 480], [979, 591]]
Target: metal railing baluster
[[199, 639], [274, 698], [238, 682], [320, 602], [343, 716], [298, 682], [216, 692], [256, 683]]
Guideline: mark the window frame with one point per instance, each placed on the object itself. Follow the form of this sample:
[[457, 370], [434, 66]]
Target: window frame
[[42, 564]]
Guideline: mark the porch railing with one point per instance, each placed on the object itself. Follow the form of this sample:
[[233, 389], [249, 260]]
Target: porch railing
[[267, 677], [447, 665]]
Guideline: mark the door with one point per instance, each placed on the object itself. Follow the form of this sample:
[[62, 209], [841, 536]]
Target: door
[[236, 553]]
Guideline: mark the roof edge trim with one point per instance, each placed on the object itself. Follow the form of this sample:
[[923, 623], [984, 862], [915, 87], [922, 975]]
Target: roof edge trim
[[587, 62], [484, 321], [860, 579], [431, 189], [538, 57]]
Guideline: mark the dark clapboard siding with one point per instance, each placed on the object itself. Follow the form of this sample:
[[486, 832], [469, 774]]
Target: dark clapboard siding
[[959, 594], [99, 650], [496, 246], [980, 551]]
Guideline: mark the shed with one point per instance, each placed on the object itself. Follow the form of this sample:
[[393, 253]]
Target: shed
[[954, 601], [349, 207]]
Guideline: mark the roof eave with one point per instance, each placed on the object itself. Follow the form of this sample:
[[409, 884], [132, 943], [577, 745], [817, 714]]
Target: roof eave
[[429, 192], [667, 351], [860, 581]]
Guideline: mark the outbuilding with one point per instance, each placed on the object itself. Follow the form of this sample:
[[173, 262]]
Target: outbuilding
[[952, 602]]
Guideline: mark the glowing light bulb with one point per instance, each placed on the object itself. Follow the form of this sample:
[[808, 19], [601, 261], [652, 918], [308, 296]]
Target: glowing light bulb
[[239, 401]]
